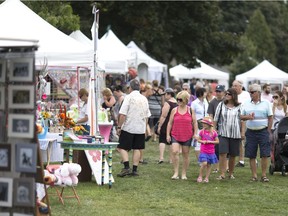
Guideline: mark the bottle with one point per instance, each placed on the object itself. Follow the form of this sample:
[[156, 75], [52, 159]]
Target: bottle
[[108, 114]]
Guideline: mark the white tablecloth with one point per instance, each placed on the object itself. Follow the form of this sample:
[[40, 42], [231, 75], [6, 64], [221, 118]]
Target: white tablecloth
[[57, 153]]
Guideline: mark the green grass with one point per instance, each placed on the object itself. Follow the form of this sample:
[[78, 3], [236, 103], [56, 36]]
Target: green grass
[[154, 193]]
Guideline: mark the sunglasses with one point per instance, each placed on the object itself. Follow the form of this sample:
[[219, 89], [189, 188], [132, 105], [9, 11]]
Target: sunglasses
[[217, 91], [179, 100], [275, 97], [228, 94], [252, 92]]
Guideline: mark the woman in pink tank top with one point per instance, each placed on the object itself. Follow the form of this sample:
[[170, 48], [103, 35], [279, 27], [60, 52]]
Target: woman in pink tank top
[[181, 128]]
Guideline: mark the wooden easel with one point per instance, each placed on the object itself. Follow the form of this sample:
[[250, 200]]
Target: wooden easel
[[40, 179]]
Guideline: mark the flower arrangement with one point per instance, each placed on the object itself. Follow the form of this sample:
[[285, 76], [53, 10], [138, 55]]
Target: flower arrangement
[[64, 119], [67, 122], [79, 129]]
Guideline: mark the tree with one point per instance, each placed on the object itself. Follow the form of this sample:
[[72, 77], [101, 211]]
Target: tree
[[181, 31], [57, 13], [260, 35]]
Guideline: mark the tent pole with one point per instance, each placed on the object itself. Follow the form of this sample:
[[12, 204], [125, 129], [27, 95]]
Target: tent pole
[[95, 11]]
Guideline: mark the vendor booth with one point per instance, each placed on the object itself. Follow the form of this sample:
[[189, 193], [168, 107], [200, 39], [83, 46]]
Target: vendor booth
[[67, 62], [203, 72], [263, 73], [148, 68]]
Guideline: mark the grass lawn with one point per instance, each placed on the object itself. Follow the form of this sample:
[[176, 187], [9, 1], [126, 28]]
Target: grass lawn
[[154, 193]]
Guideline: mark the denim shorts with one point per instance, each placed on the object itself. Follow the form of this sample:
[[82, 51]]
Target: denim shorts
[[186, 143], [255, 138]]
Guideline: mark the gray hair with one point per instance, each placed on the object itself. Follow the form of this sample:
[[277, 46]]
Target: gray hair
[[240, 82], [134, 84], [255, 87]]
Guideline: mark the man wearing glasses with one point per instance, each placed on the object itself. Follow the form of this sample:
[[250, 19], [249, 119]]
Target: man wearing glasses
[[242, 97], [258, 116]]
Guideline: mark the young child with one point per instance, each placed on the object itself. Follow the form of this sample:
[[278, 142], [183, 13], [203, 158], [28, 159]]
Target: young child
[[208, 138]]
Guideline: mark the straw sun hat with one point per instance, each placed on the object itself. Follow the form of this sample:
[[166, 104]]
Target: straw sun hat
[[207, 120]]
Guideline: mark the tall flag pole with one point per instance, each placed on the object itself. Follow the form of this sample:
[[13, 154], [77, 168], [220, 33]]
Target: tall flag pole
[[95, 11]]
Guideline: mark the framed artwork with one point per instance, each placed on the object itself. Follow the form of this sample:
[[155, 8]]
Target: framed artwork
[[21, 69], [21, 214], [2, 70], [6, 188], [5, 157], [26, 159], [24, 192], [4, 213], [21, 97], [21, 125], [2, 98]]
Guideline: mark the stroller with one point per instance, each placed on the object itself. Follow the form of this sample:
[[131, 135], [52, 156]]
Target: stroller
[[279, 148]]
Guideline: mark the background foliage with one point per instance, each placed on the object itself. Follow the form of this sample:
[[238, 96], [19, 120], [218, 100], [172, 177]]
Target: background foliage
[[237, 34]]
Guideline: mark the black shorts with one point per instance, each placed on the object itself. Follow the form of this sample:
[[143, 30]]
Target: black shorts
[[229, 146], [128, 141], [162, 139]]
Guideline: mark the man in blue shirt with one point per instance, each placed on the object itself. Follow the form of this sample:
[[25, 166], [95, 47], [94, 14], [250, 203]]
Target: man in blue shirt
[[258, 116]]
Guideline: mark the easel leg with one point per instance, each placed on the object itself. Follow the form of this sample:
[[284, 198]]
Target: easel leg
[[110, 167], [103, 168]]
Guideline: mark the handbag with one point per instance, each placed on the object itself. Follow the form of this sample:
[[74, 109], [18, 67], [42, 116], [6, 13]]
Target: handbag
[[218, 120], [156, 128]]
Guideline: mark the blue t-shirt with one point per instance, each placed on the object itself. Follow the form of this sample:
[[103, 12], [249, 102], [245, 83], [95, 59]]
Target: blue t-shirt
[[262, 110]]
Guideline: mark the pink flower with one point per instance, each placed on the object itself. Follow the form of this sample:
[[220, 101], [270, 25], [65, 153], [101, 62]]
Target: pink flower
[[96, 155], [44, 96]]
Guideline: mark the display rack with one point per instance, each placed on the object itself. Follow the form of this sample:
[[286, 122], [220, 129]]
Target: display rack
[[22, 167]]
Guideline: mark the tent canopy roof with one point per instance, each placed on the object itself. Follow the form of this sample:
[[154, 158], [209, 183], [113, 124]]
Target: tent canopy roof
[[17, 21], [203, 72], [142, 57], [263, 71]]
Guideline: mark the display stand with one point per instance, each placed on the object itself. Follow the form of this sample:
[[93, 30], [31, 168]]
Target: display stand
[[22, 166], [39, 179]]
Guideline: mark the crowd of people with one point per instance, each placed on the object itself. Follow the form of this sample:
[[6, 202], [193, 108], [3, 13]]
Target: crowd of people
[[221, 123]]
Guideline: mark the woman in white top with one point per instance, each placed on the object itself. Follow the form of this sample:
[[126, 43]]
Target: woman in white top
[[83, 115], [279, 108]]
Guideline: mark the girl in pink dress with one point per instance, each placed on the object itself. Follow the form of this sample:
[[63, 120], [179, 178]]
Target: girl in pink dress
[[208, 137]]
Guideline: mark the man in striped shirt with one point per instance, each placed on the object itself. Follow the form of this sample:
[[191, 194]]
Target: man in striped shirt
[[259, 117]]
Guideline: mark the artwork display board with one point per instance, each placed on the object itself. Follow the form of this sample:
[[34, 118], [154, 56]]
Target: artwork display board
[[19, 147]]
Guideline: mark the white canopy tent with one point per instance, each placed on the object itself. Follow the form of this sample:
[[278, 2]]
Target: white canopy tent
[[82, 38], [264, 72], [203, 72], [113, 54], [17, 21], [148, 68]]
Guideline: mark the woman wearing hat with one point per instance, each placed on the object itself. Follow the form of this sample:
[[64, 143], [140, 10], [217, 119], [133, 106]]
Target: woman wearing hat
[[228, 123], [181, 128]]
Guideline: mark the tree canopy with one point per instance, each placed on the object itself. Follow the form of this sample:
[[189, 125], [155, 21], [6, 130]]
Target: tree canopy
[[234, 33]]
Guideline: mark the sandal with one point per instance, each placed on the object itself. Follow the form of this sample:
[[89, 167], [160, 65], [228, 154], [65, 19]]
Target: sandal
[[175, 177], [206, 180], [215, 171], [254, 179], [264, 179], [231, 177], [199, 179], [184, 178], [220, 177]]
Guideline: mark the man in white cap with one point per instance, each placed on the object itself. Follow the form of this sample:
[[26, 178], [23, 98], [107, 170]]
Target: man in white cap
[[220, 93], [259, 117]]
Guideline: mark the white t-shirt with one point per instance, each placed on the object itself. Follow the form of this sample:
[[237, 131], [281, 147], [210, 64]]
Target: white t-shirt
[[277, 116], [83, 112], [244, 96], [136, 109]]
